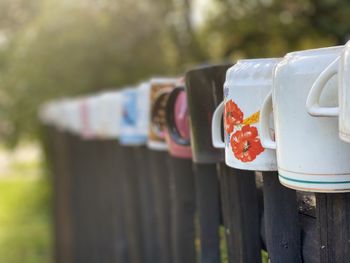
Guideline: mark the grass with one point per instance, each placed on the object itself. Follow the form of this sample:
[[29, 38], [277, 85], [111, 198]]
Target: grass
[[25, 223]]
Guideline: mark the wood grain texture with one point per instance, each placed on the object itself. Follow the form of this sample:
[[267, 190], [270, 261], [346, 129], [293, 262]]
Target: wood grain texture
[[333, 226], [158, 161], [58, 158], [239, 197], [208, 205], [132, 204], [150, 242], [282, 229], [183, 210]]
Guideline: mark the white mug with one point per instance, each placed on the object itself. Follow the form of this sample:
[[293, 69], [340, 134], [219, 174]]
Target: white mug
[[247, 83], [110, 111], [310, 155], [72, 116], [143, 108], [340, 67], [89, 116]]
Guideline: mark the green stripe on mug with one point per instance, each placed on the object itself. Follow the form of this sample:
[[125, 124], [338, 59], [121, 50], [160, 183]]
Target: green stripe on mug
[[312, 182]]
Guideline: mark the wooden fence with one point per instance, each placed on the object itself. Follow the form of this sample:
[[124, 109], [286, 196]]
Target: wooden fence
[[130, 204]]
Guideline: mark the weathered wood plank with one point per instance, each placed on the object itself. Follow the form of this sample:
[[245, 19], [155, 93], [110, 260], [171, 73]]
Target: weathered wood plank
[[239, 197], [58, 156], [309, 239], [161, 185], [148, 212], [333, 226], [183, 210], [132, 204], [208, 205], [282, 229]]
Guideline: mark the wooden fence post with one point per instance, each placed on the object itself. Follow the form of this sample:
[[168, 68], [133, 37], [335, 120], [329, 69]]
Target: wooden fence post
[[147, 204], [208, 203], [241, 214], [333, 226], [282, 229], [56, 144], [158, 161], [132, 204], [183, 210]]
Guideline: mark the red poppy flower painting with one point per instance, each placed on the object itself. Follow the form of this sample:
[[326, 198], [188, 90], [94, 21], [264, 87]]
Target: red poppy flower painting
[[233, 116], [246, 145]]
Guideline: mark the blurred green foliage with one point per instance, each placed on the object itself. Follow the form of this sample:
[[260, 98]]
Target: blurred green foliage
[[25, 214], [55, 48]]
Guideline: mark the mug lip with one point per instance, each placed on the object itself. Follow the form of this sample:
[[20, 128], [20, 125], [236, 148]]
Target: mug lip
[[209, 66], [315, 51], [163, 80], [273, 59]]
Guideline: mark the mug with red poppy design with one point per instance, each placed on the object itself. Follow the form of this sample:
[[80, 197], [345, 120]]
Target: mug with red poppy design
[[177, 131], [204, 93], [159, 93], [310, 154], [247, 83]]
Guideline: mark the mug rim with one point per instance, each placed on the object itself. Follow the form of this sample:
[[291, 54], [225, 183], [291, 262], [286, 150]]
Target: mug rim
[[163, 80], [314, 51], [274, 59], [209, 66]]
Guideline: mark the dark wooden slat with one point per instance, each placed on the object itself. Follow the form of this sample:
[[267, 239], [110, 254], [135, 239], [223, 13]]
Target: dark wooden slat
[[148, 211], [239, 197], [183, 209], [158, 161], [112, 238], [309, 239], [282, 229], [132, 204], [59, 162], [208, 205], [333, 226]]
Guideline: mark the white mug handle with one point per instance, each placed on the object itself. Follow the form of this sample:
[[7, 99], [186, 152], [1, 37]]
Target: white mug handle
[[265, 113], [216, 127], [312, 103]]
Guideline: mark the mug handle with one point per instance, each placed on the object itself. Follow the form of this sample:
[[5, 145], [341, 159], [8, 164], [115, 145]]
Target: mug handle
[[312, 103], [216, 127], [265, 136]]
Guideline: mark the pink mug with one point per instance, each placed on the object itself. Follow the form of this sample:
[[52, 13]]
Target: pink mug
[[177, 133]]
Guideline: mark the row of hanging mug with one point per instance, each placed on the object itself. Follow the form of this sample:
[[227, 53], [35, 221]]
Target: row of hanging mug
[[273, 118], [153, 113]]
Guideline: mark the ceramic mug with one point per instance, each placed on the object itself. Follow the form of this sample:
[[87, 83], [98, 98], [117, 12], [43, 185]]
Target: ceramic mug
[[204, 93], [109, 114], [159, 92], [49, 112], [130, 134], [339, 67], [247, 84], [89, 116], [310, 155], [72, 116], [177, 131]]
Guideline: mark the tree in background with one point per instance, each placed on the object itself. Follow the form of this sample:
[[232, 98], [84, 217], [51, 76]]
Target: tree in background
[[258, 28], [56, 48]]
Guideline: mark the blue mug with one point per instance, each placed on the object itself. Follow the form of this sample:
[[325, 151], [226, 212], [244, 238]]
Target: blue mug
[[134, 119]]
